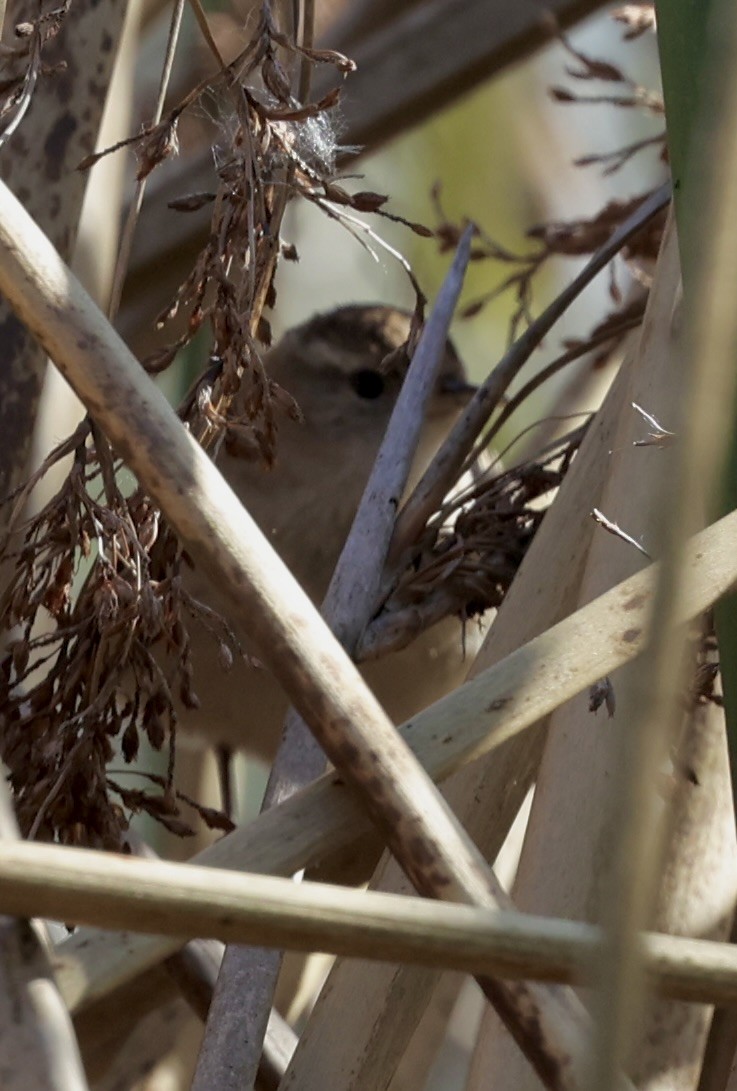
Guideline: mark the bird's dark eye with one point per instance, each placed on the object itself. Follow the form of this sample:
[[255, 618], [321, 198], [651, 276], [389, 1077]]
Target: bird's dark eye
[[367, 383]]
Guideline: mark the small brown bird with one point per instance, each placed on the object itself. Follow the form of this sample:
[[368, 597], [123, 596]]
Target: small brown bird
[[332, 366]]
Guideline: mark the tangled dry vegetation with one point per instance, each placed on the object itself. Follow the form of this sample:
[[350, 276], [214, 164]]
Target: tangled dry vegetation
[[96, 613], [62, 688]]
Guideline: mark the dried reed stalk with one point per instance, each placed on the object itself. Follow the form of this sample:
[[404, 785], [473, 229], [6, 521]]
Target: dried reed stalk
[[86, 885]]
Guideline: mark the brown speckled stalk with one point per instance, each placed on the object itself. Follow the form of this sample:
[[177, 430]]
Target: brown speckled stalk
[[39, 164]]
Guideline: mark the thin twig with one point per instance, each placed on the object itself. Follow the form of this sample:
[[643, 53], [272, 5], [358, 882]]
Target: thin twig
[[658, 437], [441, 474], [308, 41], [570, 356], [614, 529], [131, 219]]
